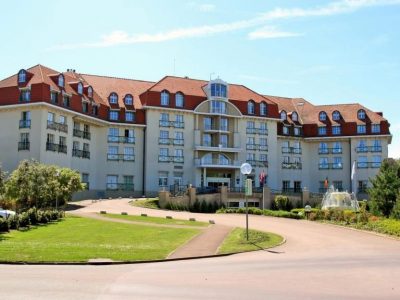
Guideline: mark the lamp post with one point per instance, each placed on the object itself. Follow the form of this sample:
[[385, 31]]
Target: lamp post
[[245, 169]]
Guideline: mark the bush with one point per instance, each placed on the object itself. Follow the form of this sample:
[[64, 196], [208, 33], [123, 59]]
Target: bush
[[4, 225], [282, 203], [396, 210], [23, 219], [265, 212], [33, 215]]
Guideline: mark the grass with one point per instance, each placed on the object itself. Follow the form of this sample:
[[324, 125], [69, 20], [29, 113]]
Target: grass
[[146, 203], [79, 239], [156, 220], [236, 241], [381, 225]]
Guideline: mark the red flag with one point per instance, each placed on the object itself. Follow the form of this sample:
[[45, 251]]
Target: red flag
[[262, 177], [326, 183]]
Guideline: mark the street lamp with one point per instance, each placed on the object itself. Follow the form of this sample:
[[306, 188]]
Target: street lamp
[[245, 169]]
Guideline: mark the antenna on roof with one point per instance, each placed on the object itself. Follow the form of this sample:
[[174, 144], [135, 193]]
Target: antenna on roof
[[211, 74]]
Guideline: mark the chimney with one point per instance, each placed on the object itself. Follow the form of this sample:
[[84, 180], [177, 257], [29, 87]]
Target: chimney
[[380, 113]]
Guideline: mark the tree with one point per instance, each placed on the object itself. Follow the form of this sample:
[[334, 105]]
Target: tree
[[385, 188], [2, 178]]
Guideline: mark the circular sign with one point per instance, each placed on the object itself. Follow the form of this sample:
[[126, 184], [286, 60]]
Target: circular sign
[[245, 169]]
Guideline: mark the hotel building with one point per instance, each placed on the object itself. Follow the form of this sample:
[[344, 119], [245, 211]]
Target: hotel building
[[133, 137]]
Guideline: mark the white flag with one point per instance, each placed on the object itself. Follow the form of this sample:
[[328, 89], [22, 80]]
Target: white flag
[[353, 170]]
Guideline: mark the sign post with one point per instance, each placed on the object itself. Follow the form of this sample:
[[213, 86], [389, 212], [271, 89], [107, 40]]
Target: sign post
[[245, 169]]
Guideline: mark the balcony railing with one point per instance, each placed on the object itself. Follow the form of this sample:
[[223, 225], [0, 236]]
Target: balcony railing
[[175, 124], [257, 147], [56, 147], [57, 126], [123, 157], [292, 150], [214, 127], [120, 187], [260, 131], [286, 190], [80, 153], [369, 149], [292, 165], [330, 150], [217, 163], [327, 166], [24, 123], [362, 190], [366, 165], [170, 141], [258, 163], [25, 145], [167, 159], [121, 139], [208, 146], [82, 134]]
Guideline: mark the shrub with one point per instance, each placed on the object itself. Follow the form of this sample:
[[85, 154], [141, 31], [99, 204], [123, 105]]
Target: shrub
[[23, 219], [282, 202], [4, 225], [396, 210], [14, 222], [33, 215]]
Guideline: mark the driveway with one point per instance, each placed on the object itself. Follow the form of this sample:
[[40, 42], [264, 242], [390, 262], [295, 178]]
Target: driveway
[[317, 262]]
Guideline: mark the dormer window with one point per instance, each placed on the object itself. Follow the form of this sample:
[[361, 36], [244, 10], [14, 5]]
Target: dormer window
[[164, 98], [336, 115], [113, 98], [283, 115], [218, 90], [90, 92], [263, 109], [322, 116], [128, 100], [250, 107], [179, 99], [80, 88], [61, 80], [295, 117], [361, 114], [22, 76]]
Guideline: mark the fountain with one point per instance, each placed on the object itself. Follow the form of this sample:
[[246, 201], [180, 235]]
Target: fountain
[[335, 199]]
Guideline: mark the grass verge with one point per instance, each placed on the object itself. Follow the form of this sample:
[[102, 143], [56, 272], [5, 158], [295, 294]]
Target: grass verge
[[236, 241], [156, 220], [79, 239], [146, 203]]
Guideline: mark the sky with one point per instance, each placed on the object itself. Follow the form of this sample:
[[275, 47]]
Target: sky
[[339, 51]]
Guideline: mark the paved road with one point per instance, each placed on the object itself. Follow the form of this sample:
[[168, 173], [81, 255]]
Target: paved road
[[317, 262]]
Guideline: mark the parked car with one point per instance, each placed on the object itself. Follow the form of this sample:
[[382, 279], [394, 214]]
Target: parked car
[[5, 214]]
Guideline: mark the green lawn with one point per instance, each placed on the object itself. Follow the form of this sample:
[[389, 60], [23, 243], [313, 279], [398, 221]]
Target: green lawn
[[156, 220], [146, 203], [236, 241], [79, 239]]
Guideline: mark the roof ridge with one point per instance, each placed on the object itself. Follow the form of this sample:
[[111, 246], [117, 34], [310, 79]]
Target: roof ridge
[[115, 77], [41, 72]]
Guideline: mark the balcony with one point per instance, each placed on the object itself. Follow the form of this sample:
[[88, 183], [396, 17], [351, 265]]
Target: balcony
[[292, 165], [215, 128], [291, 150], [25, 145], [175, 124], [368, 165], [120, 187], [56, 147], [24, 123], [57, 126], [256, 147], [217, 163], [260, 131], [80, 153], [168, 159], [216, 147], [365, 149], [81, 134], [170, 141], [121, 139], [333, 166], [330, 150], [120, 157], [288, 190], [258, 163]]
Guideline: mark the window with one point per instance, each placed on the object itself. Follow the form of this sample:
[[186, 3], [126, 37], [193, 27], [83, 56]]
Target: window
[[164, 137], [338, 185], [163, 155], [337, 163], [361, 129], [336, 130], [223, 124], [263, 109], [336, 115], [362, 186], [75, 147], [114, 115], [90, 92], [321, 130], [250, 124], [218, 90], [207, 140], [362, 162], [129, 136], [376, 146], [263, 157], [251, 141], [164, 98], [25, 121], [66, 101], [223, 140], [250, 107], [218, 107], [322, 116], [263, 144], [112, 182], [263, 128], [85, 180], [129, 116], [362, 146], [112, 153], [162, 178], [24, 141], [178, 138], [50, 117], [283, 115], [361, 114], [250, 157], [62, 120], [95, 110], [179, 99], [129, 153], [285, 185], [128, 100], [323, 148], [50, 138], [179, 121], [296, 130], [297, 186], [323, 163], [85, 107], [285, 130], [207, 121], [295, 117], [337, 147], [25, 95], [178, 155], [113, 98], [54, 97], [128, 183], [61, 80], [375, 128], [80, 88], [22, 76], [376, 161]]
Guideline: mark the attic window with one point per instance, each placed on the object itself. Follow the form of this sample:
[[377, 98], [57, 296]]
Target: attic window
[[90, 92], [263, 109], [283, 115], [179, 99], [61, 80], [113, 98], [164, 98], [21, 76], [361, 114], [218, 90], [295, 117], [80, 88], [322, 116], [128, 100], [336, 115], [250, 107]]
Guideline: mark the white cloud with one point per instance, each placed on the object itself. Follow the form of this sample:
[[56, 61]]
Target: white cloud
[[339, 7], [270, 32], [207, 7]]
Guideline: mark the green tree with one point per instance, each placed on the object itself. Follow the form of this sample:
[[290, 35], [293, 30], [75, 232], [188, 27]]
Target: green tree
[[385, 188], [2, 178]]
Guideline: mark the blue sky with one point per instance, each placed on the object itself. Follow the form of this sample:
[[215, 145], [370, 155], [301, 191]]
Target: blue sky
[[327, 52]]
